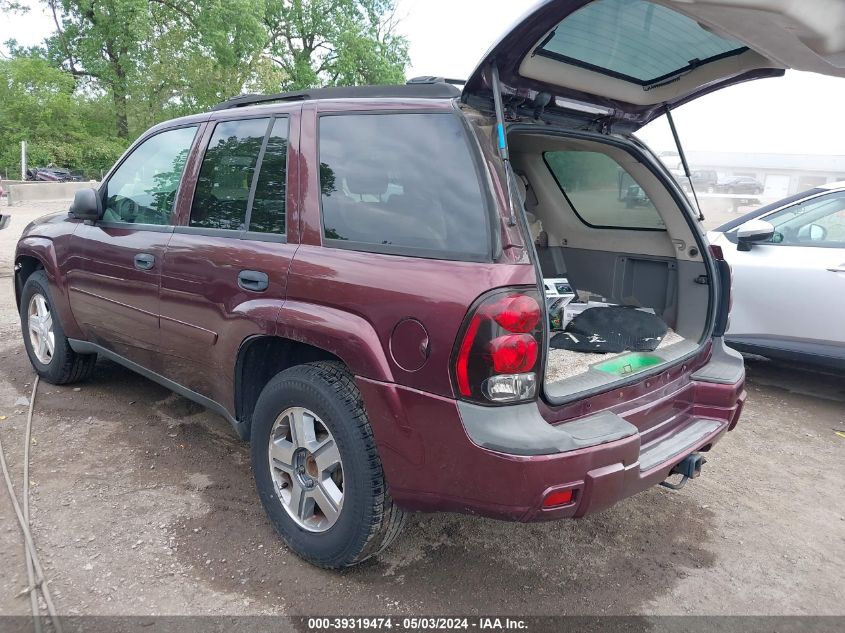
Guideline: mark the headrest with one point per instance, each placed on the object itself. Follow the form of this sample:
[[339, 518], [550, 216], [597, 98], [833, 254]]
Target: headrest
[[367, 182]]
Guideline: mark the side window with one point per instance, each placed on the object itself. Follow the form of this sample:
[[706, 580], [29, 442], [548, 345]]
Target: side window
[[601, 192], [223, 185], [143, 188], [268, 204], [816, 222], [401, 183]]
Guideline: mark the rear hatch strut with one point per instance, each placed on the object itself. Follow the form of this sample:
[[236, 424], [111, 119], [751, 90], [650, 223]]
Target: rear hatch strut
[[683, 156]]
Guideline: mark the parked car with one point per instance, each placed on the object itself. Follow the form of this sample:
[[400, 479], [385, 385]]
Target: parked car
[[636, 197], [796, 243], [53, 174], [353, 277], [740, 184], [704, 181]]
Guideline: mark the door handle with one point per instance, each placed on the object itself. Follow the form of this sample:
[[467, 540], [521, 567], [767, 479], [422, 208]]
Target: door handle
[[839, 269], [253, 280], [144, 261]]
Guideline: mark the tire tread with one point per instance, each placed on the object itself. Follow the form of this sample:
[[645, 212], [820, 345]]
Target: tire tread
[[387, 520], [384, 520]]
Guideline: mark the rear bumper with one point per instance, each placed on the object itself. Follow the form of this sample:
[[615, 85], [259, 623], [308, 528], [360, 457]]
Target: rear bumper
[[435, 460]]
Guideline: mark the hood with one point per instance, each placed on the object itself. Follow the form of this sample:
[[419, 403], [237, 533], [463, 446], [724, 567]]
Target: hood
[[631, 59]]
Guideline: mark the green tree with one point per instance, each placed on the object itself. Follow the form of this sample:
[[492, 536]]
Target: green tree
[[39, 104], [336, 42], [146, 49], [112, 68]]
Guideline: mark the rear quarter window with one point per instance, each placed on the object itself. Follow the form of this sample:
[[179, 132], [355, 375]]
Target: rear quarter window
[[601, 192], [402, 184]]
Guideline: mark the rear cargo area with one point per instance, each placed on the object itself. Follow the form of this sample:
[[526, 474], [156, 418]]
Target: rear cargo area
[[626, 285]]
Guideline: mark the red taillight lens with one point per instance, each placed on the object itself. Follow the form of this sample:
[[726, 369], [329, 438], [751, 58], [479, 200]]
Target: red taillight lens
[[498, 355], [462, 365], [518, 314], [513, 353]]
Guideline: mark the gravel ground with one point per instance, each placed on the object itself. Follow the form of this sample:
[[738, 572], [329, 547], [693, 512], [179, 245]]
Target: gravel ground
[[143, 503]]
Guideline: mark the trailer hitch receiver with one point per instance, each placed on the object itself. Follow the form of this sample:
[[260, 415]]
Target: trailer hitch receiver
[[689, 468]]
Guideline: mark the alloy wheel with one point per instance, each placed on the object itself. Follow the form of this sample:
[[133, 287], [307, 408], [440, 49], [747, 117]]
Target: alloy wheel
[[40, 323], [306, 468]]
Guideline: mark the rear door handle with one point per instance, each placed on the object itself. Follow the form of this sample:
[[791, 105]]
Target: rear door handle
[[840, 269], [253, 280], [144, 261]]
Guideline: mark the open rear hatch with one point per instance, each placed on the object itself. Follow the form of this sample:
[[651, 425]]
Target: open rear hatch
[[634, 58], [599, 215]]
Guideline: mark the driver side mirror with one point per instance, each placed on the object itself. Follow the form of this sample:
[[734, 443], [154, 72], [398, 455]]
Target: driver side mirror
[[753, 231], [87, 205]]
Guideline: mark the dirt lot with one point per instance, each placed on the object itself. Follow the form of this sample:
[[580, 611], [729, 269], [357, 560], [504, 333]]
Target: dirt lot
[[143, 503]]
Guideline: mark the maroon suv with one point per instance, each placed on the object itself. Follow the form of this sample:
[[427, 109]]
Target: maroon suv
[[354, 278]]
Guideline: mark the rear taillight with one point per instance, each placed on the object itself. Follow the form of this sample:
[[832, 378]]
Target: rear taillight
[[498, 358], [725, 294]]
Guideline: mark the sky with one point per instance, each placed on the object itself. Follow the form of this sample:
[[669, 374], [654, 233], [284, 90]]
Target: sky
[[800, 113]]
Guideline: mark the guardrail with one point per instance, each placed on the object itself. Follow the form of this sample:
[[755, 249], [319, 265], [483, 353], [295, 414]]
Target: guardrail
[[35, 191]]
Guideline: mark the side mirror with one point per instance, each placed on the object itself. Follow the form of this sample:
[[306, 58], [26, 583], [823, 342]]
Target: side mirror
[[752, 232], [812, 233], [87, 205]]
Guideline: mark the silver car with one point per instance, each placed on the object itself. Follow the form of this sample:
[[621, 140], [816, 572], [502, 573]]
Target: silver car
[[796, 244]]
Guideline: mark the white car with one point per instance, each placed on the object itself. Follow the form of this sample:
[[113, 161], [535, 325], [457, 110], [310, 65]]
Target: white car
[[788, 261]]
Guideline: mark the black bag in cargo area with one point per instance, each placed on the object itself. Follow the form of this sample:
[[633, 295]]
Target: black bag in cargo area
[[611, 329]]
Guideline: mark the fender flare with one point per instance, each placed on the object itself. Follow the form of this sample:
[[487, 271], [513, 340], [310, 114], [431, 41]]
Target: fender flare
[[41, 248], [344, 334]]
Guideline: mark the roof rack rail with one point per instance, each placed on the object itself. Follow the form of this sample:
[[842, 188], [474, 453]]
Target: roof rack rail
[[430, 79], [413, 89]]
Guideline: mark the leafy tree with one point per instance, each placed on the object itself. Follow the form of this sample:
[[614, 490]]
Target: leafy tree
[[112, 68], [146, 49], [38, 103], [336, 42]]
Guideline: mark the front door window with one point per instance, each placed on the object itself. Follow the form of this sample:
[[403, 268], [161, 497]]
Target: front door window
[[142, 190]]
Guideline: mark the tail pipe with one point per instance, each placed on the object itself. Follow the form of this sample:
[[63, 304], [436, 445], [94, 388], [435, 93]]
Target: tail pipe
[[689, 468]]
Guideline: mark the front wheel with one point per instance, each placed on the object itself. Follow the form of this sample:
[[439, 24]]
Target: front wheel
[[44, 338], [317, 469]]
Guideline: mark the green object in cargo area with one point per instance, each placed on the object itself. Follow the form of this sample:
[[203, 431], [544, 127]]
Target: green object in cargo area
[[629, 364]]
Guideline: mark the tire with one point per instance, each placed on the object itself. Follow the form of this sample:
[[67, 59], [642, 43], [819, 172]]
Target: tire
[[62, 365], [367, 521]]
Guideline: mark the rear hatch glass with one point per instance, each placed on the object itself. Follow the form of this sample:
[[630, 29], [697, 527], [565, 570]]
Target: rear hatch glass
[[638, 41]]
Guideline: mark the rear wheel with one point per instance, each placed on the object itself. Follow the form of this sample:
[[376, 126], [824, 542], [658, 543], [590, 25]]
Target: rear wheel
[[317, 469], [44, 338]]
